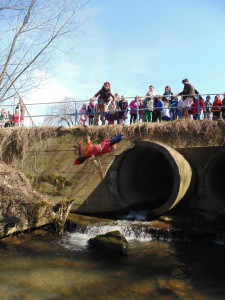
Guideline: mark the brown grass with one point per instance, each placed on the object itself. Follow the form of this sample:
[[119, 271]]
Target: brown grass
[[22, 208], [16, 197], [15, 142], [179, 133]]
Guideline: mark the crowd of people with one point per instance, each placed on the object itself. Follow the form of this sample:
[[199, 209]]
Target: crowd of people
[[106, 106], [8, 119]]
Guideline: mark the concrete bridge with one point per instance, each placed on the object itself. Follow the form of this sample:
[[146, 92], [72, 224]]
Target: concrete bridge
[[157, 167]]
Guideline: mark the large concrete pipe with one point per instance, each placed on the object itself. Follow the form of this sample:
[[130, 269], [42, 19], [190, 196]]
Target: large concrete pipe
[[214, 182], [150, 175]]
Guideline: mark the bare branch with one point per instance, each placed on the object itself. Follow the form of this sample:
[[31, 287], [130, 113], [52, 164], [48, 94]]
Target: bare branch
[[30, 29], [61, 113], [25, 21]]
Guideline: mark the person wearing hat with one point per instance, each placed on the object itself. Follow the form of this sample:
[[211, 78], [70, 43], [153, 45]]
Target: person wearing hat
[[207, 108], [223, 107], [122, 110], [188, 94]]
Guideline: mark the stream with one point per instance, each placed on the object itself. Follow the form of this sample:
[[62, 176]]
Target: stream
[[44, 265]]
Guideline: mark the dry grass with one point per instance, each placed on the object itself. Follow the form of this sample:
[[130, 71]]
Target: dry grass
[[22, 208], [179, 133], [15, 142], [16, 197]]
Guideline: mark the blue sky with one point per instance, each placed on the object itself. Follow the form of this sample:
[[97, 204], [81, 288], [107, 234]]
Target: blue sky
[[133, 44]]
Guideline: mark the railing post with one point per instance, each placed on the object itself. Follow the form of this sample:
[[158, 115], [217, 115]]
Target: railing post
[[198, 106], [138, 115], [75, 110], [19, 115]]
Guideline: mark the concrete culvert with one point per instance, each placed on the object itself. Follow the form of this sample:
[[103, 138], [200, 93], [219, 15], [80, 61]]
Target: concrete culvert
[[214, 180], [150, 176]]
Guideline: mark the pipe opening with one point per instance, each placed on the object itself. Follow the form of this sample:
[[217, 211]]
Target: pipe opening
[[215, 179], [146, 177]]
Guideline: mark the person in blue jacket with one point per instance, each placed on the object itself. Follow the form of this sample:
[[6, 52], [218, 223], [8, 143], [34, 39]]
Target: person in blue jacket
[[158, 109]]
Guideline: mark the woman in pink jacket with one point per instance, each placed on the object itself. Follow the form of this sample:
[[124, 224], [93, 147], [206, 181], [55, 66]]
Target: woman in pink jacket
[[134, 106]]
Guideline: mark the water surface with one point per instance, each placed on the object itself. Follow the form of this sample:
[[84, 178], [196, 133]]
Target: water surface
[[43, 265]]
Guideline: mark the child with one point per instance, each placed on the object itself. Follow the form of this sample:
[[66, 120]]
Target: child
[[82, 118], [134, 105], [112, 112], [123, 108], [174, 108], [197, 108], [165, 113], [91, 111], [216, 107], [208, 107]]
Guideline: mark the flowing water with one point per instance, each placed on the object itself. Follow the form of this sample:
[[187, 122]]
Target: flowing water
[[44, 265]]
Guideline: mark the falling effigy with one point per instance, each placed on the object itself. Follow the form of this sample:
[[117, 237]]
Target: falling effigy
[[93, 150]]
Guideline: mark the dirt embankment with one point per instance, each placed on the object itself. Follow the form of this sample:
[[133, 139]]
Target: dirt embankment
[[21, 206]]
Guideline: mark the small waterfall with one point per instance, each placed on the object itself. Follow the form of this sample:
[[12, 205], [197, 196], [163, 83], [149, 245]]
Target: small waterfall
[[132, 230], [134, 226]]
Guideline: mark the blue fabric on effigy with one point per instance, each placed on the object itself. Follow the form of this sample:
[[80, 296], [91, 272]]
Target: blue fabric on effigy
[[116, 139]]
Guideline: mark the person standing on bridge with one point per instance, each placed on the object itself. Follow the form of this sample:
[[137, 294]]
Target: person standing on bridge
[[104, 95], [168, 95], [216, 107], [134, 106], [188, 94], [207, 108], [223, 107], [21, 106], [91, 111], [148, 104], [122, 110]]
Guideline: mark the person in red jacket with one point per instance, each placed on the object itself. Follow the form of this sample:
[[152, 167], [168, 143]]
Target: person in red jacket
[[216, 107], [197, 108]]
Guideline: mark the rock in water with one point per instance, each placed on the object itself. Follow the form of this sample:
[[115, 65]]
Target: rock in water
[[112, 242]]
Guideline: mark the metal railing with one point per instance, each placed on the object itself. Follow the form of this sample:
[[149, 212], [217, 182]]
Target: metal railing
[[45, 110]]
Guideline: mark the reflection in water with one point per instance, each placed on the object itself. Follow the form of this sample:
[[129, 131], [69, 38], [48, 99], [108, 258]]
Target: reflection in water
[[46, 266]]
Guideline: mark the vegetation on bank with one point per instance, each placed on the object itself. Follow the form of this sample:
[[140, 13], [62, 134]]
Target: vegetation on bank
[[22, 208]]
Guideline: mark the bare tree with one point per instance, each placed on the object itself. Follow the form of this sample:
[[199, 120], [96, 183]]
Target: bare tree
[[29, 31], [61, 113]]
